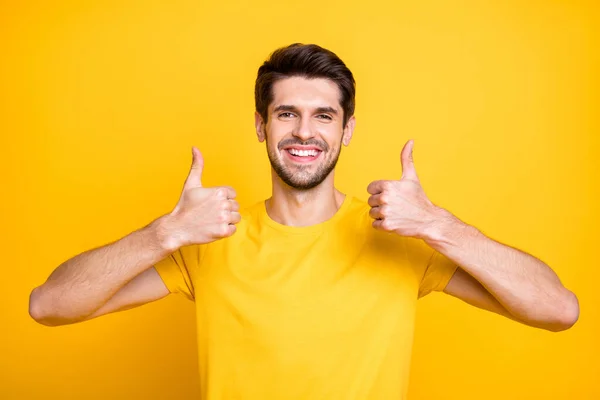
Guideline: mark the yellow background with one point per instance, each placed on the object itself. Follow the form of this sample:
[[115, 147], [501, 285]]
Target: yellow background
[[101, 102]]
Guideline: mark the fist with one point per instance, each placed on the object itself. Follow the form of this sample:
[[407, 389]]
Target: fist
[[203, 215], [401, 206]]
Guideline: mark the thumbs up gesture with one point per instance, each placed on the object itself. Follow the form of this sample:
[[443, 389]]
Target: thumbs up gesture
[[402, 206], [203, 215]]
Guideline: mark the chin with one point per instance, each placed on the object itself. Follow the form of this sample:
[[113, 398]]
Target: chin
[[310, 182], [312, 175], [303, 185]]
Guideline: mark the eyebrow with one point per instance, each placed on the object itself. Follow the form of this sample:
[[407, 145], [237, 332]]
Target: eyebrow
[[285, 107]]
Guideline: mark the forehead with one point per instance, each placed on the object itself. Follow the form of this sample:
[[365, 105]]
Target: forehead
[[302, 92]]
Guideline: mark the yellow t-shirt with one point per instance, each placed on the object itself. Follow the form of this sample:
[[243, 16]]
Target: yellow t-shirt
[[319, 312]]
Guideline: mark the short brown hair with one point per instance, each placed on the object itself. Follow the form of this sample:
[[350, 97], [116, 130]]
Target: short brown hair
[[308, 61]]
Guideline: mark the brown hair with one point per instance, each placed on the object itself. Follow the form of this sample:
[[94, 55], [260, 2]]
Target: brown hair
[[308, 61]]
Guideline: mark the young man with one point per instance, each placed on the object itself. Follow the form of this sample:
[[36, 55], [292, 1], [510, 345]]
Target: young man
[[312, 293]]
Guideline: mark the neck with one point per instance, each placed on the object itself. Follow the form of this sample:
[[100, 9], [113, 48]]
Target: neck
[[293, 207]]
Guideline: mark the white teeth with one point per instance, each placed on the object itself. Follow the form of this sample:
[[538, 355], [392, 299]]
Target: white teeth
[[303, 153]]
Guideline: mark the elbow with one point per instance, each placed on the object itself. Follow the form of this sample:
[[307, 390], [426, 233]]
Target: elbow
[[40, 308], [567, 314], [36, 306]]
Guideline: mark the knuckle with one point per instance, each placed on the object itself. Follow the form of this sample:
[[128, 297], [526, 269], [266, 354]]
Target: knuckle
[[385, 225], [220, 230], [221, 193], [224, 230], [223, 216], [231, 230]]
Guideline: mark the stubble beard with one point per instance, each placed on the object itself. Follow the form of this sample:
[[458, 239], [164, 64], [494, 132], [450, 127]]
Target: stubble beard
[[302, 179]]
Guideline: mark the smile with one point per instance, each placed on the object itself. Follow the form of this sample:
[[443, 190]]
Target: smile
[[303, 155]]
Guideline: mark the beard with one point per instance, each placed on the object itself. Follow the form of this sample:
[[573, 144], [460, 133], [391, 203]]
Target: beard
[[301, 178]]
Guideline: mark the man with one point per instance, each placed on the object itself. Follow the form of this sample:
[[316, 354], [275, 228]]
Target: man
[[310, 294]]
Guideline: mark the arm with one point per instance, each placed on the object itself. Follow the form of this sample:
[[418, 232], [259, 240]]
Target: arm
[[83, 287], [468, 289], [144, 288], [493, 276], [523, 285], [118, 275]]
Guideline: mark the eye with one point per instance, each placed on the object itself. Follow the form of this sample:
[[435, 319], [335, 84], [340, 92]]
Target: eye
[[324, 116], [286, 115]]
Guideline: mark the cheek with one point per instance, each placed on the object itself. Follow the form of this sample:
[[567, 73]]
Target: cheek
[[272, 141], [334, 138], [275, 133]]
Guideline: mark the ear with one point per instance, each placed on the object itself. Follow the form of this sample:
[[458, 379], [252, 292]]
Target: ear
[[260, 126], [348, 131]]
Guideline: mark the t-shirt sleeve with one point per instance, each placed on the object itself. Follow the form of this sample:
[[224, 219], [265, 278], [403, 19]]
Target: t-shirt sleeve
[[435, 268], [438, 273], [175, 269]]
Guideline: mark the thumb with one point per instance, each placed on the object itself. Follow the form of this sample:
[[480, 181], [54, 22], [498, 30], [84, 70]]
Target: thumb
[[194, 178], [408, 167]]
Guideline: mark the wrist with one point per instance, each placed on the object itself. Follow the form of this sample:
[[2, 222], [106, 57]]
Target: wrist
[[445, 230], [166, 234]]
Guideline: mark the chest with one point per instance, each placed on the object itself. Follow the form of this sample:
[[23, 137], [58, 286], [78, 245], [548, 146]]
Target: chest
[[287, 291]]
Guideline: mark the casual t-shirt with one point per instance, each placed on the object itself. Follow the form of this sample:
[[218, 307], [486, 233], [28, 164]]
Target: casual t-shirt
[[325, 311]]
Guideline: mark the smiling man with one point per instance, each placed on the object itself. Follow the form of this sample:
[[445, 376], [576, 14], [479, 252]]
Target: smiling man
[[310, 294]]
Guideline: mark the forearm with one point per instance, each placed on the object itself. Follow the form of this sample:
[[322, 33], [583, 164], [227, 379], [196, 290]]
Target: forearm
[[527, 287], [82, 284]]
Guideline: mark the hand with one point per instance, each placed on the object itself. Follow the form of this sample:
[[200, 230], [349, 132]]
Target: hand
[[402, 206], [202, 215]]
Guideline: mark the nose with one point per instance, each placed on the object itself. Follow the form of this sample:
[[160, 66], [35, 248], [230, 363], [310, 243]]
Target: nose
[[304, 130]]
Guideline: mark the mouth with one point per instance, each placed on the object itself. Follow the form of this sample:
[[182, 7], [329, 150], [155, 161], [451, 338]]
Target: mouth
[[303, 154]]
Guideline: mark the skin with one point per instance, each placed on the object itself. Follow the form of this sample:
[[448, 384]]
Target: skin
[[120, 275], [304, 123], [492, 276]]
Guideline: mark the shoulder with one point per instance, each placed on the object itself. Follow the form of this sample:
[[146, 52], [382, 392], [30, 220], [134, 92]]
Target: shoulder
[[252, 216], [357, 206], [356, 209], [358, 212], [252, 212], [385, 242]]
